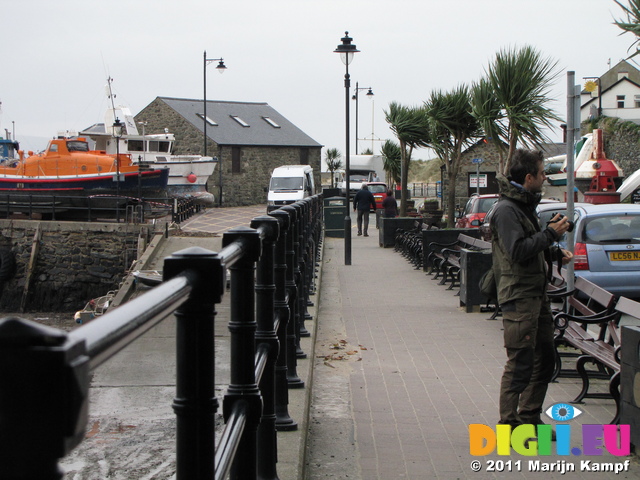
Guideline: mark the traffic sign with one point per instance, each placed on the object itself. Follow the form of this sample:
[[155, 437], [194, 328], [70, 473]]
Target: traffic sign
[[477, 160]]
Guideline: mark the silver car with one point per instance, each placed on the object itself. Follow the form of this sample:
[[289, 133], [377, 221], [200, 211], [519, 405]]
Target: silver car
[[607, 246]]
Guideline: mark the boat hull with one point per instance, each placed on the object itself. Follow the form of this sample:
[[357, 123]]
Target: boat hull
[[100, 192]]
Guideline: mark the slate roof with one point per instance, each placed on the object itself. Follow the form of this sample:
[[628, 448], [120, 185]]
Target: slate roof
[[229, 131]]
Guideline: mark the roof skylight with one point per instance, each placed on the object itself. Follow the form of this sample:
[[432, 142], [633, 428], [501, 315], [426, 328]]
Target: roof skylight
[[271, 122], [209, 121], [239, 120]]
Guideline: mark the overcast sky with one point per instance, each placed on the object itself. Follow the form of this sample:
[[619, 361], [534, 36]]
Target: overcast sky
[[58, 54]]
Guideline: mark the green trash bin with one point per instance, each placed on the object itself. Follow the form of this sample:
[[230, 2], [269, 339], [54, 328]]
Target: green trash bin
[[335, 209]]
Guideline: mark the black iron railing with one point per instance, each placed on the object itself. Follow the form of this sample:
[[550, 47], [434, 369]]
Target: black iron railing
[[98, 207], [44, 372]]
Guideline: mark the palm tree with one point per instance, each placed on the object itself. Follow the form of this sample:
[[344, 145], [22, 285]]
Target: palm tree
[[486, 108], [333, 158], [632, 25], [392, 157], [520, 80], [452, 126], [409, 124]]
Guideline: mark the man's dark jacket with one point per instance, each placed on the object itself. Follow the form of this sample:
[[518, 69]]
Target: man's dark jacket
[[519, 245], [363, 199]]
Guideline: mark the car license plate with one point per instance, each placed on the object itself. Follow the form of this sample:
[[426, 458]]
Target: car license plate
[[624, 256]]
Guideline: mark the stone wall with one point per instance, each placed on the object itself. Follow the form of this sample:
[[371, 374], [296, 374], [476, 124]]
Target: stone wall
[[248, 186], [75, 263]]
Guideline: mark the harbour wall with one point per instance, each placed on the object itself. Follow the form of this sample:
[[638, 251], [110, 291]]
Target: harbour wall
[[60, 266]]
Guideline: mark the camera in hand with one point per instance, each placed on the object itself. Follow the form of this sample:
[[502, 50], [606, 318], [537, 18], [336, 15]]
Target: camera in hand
[[571, 224]]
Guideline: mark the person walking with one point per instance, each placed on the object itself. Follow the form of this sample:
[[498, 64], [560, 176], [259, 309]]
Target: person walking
[[390, 205], [522, 253], [361, 202]]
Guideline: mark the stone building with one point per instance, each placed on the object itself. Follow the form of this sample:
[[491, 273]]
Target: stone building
[[249, 139]]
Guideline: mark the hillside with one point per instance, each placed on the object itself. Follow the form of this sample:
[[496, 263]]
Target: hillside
[[424, 171]]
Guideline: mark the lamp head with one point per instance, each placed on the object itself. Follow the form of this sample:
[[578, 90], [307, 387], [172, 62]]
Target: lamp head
[[369, 94], [117, 128], [346, 49], [221, 67]]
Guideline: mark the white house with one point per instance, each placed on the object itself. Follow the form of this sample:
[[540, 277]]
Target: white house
[[614, 94]]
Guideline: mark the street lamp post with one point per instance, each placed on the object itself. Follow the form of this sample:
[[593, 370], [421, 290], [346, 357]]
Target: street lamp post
[[355, 97], [221, 67], [117, 134], [346, 51]]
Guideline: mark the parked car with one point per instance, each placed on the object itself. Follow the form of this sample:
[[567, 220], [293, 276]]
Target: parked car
[[475, 210], [379, 190], [607, 247], [607, 244]]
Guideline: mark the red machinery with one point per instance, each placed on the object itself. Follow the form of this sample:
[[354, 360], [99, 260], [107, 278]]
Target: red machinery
[[602, 188]]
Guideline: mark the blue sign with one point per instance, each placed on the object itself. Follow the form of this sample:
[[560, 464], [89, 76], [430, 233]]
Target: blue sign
[[477, 160]]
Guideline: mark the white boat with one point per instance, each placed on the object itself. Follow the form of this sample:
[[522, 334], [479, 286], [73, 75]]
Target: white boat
[[188, 174], [629, 186], [584, 165]]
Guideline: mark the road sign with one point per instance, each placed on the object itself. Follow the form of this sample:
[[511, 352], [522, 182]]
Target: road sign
[[477, 160]]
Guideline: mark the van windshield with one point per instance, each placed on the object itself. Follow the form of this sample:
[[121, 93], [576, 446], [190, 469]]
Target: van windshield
[[286, 183]]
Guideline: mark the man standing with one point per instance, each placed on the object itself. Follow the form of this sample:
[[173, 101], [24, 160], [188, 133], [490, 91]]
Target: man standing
[[522, 253], [361, 202]]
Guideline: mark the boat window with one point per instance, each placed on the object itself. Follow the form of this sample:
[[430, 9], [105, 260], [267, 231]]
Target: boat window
[[157, 146], [53, 147], [136, 146], [77, 146]]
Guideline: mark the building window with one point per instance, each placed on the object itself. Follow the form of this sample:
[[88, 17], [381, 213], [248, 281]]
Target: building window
[[209, 121], [271, 122], [239, 120], [236, 155], [304, 156], [637, 101], [620, 99]]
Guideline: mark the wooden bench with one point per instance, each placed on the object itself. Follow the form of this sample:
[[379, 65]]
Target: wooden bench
[[588, 304], [602, 348], [605, 352], [447, 260]]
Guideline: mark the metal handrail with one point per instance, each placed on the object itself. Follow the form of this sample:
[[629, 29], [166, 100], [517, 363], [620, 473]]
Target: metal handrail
[[44, 372]]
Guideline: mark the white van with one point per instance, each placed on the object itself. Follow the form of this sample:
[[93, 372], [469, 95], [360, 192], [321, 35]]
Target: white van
[[289, 184]]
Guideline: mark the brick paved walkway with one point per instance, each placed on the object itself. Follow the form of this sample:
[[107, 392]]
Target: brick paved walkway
[[424, 370]]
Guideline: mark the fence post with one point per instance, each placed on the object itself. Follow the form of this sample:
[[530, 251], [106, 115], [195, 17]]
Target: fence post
[[299, 278], [267, 342], [293, 380], [195, 404], [44, 398], [243, 390], [284, 421]]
